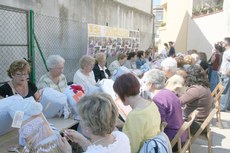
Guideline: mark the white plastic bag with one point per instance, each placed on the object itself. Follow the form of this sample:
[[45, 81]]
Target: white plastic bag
[[28, 105], [106, 86], [52, 101], [4, 113], [74, 92]]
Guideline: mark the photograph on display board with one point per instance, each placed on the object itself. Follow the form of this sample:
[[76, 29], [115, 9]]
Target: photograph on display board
[[111, 41]]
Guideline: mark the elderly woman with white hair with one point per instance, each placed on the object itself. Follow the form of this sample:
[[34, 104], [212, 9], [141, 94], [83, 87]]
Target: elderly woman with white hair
[[167, 101], [196, 59], [84, 75], [54, 78], [169, 67], [174, 81]]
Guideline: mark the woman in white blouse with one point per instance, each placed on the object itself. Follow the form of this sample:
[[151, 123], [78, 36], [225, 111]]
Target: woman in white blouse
[[98, 114], [54, 78], [84, 75]]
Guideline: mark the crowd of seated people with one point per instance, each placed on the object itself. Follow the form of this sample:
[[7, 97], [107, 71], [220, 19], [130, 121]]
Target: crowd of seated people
[[178, 87], [143, 122], [167, 102]]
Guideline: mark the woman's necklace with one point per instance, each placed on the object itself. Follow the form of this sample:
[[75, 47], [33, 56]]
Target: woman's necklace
[[99, 140], [23, 93]]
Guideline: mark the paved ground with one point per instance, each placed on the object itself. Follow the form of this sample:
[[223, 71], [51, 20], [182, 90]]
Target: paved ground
[[220, 137]]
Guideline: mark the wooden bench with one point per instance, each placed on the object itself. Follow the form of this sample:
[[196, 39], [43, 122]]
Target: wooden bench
[[11, 138]]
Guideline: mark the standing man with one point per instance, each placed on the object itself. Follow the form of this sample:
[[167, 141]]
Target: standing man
[[172, 52], [225, 76]]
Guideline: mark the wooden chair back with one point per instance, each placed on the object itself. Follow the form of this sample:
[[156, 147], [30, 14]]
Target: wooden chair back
[[216, 93], [185, 127], [205, 125]]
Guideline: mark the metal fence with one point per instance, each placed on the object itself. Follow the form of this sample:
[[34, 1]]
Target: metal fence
[[23, 34], [60, 36], [14, 39]]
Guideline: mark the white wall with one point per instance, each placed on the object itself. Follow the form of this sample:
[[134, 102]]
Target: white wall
[[203, 32], [143, 5], [176, 24]]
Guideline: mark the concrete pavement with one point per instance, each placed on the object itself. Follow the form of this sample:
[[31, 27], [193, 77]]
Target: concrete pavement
[[220, 137]]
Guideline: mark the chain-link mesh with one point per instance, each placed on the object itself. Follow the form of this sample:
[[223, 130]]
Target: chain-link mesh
[[66, 38], [60, 36], [13, 38]]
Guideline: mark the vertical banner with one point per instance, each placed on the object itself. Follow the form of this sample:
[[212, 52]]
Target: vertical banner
[[111, 41]]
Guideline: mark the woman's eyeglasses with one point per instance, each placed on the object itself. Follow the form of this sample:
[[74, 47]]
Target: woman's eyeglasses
[[21, 74]]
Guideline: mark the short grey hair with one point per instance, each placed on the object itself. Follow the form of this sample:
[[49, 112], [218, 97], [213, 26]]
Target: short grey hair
[[85, 60], [169, 64], [195, 57], [156, 77], [53, 60]]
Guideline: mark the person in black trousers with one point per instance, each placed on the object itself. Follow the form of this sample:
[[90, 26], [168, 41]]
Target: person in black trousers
[[172, 52]]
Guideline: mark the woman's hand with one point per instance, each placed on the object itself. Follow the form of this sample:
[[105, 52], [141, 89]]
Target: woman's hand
[[76, 137], [64, 145], [38, 95], [73, 135]]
